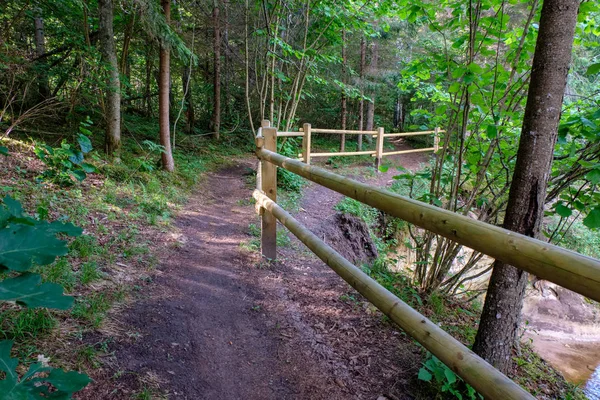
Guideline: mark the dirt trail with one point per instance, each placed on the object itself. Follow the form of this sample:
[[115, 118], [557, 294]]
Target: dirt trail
[[214, 326]]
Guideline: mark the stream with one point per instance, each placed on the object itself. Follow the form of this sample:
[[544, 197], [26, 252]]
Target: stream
[[592, 387]]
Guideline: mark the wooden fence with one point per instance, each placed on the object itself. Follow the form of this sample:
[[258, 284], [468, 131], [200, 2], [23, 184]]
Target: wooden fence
[[306, 133], [563, 267]]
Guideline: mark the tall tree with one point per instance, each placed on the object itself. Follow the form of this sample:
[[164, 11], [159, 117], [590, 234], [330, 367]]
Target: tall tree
[[361, 102], [113, 89], [501, 313], [344, 111], [40, 49], [164, 86], [216, 117], [372, 91]]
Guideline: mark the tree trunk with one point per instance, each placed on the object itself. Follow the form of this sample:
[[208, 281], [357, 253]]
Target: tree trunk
[[344, 115], [361, 103], [216, 117], [372, 91], [148, 82], [226, 59], [125, 64], [113, 90], [163, 96], [40, 49], [500, 320], [190, 117]]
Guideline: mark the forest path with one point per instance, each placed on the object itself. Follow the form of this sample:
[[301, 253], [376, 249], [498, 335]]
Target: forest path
[[217, 323]]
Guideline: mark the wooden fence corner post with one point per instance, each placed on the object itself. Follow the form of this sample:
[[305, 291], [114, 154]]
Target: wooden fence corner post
[[436, 139], [379, 149], [306, 143], [268, 171]]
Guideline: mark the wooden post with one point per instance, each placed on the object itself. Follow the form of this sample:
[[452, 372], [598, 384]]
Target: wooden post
[[436, 140], [379, 150], [306, 143], [268, 237]]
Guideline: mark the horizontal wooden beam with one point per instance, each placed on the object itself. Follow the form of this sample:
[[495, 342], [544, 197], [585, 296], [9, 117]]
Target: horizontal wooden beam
[[345, 153], [552, 263], [487, 380], [403, 134], [391, 153], [289, 134], [349, 132]]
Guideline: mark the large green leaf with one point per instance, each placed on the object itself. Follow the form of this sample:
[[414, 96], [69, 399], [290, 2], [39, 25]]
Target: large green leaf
[[21, 245], [69, 382], [563, 211], [4, 150], [8, 365], [28, 290], [84, 143], [592, 220], [593, 69], [34, 387], [60, 227], [13, 206], [424, 375]]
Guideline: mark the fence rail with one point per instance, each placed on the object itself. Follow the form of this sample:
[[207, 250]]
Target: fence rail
[[566, 268], [306, 133]]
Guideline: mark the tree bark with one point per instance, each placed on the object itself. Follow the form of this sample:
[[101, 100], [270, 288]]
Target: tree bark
[[372, 91], [163, 96], [113, 90], [361, 103], [216, 117], [190, 117], [148, 82], [500, 320], [344, 115], [40, 49]]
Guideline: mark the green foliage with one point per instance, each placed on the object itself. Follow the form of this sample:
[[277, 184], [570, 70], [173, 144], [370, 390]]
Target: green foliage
[[358, 209], [436, 372], [65, 164], [24, 241], [39, 382], [145, 164]]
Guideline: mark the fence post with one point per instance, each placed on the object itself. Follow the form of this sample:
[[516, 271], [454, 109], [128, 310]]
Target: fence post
[[379, 149], [306, 143], [268, 172], [436, 140]]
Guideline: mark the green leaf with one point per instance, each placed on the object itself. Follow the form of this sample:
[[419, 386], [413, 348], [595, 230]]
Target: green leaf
[[14, 207], [563, 211], [69, 382], [450, 376], [76, 158], [84, 143], [424, 375], [79, 174], [492, 131], [593, 69], [593, 176], [61, 227], [20, 246], [384, 168], [4, 150], [7, 364], [592, 220], [29, 291], [89, 168]]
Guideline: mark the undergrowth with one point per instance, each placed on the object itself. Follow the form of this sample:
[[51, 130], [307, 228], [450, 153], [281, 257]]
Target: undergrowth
[[121, 207]]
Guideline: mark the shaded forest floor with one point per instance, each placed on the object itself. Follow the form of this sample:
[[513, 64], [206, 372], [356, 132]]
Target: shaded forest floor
[[173, 299], [219, 323]]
